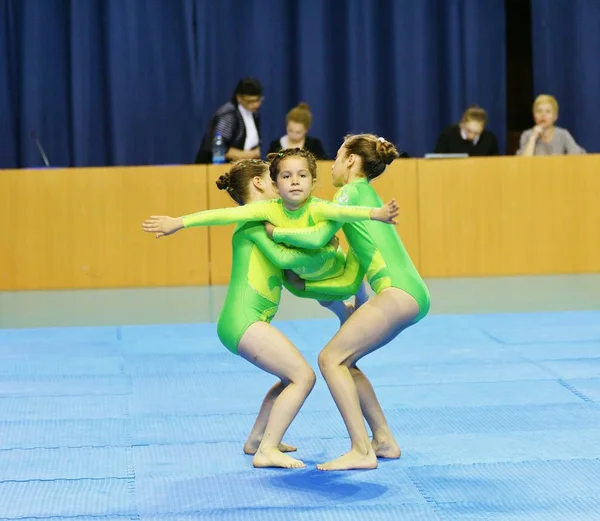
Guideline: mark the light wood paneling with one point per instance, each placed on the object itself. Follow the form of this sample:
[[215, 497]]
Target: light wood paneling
[[81, 228], [509, 216]]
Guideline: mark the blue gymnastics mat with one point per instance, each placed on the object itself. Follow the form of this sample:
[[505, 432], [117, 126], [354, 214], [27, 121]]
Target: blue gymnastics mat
[[498, 417]]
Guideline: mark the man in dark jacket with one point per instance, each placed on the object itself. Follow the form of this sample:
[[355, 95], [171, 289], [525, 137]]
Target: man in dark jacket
[[238, 123]]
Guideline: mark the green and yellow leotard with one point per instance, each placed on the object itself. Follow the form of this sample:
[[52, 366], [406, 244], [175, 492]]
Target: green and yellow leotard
[[314, 211], [377, 246], [256, 277]]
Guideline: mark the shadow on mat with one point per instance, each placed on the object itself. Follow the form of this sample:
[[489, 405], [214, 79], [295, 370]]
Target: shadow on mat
[[330, 485]]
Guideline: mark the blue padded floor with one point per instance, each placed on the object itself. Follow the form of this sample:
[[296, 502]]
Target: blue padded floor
[[498, 417]]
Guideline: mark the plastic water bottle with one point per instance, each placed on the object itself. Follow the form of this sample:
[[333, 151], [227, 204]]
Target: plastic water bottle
[[218, 149]]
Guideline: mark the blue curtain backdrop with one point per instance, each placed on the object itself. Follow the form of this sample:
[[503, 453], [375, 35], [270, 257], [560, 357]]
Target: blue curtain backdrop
[[566, 63], [115, 82]]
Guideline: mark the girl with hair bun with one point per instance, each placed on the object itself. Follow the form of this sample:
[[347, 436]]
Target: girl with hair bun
[[401, 298], [252, 300]]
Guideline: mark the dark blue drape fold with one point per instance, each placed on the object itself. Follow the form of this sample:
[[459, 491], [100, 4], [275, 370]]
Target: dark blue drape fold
[[113, 82], [566, 63]]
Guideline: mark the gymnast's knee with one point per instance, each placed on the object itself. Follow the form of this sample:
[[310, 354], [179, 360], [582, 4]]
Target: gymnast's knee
[[328, 360], [304, 376]]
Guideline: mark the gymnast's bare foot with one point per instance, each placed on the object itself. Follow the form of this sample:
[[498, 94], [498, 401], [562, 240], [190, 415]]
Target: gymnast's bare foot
[[273, 457], [388, 448], [351, 460], [252, 446]]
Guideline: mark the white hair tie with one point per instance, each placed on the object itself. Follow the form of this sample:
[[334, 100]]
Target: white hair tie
[[381, 139]]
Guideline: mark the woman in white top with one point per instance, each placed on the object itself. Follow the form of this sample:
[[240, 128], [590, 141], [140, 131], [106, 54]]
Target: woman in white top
[[546, 139]]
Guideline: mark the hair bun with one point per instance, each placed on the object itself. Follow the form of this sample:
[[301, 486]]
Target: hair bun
[[223, 182], [303, 106], [387, 151]]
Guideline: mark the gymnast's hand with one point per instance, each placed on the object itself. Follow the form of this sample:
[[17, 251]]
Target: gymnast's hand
[[387, 213], [162, 225], [269, 228], [294, 280]]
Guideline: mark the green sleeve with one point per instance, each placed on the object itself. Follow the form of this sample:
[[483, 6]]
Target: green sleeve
[[311, 237], [288, 258], [261, 211], [343, 286], [317, 236], [327, 211]]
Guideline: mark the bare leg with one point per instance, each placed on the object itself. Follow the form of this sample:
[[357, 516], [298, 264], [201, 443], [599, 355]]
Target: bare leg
[[339, 308], [383, 443], [269, 349], [258, 429], [366, 330]]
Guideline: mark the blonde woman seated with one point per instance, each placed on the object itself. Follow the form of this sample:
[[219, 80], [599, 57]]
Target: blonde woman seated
[[546, 139], [297, 125]]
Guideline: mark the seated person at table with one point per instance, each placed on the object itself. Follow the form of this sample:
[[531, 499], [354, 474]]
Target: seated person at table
[[469, 136], [546, 139], [297, 125]]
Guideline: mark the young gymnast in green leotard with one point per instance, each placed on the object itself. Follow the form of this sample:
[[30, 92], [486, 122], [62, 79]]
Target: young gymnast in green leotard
[[401, 299], [252, 300]]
